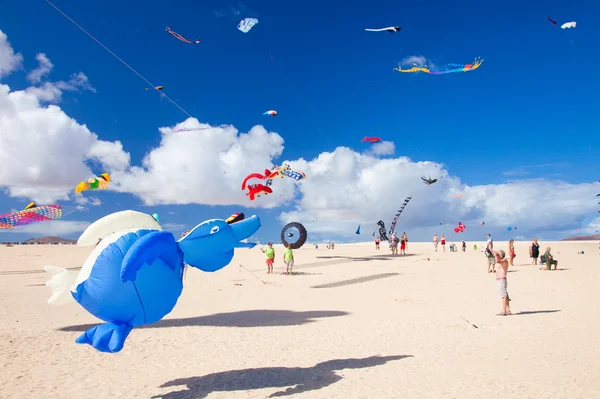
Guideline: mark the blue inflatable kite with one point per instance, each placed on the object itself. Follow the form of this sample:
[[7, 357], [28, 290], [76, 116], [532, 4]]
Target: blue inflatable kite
[[134, 276]]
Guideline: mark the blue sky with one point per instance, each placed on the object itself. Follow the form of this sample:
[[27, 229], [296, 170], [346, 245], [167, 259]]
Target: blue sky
[[529, 112]]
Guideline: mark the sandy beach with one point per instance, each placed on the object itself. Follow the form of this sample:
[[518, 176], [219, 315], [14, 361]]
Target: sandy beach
[[350, 323]]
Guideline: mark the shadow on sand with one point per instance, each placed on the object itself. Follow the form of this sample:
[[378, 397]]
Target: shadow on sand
[[248, 318], [535, 312], [295, 380], [356, 280]]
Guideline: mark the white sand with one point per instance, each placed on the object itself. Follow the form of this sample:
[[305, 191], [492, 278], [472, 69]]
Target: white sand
[[397, 336]]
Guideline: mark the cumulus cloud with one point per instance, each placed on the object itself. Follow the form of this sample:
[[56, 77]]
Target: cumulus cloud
[[42, 70], [418, 60], [9, 61], [50, 228], [52, 91], [204, 167], [382, 148], [233, 12], [43, 152]]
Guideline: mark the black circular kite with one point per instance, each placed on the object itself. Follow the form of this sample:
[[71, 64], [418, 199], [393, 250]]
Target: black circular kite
[[297, 234]]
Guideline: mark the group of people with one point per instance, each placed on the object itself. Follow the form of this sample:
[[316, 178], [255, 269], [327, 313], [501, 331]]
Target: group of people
[[394, 241], [288, 258]]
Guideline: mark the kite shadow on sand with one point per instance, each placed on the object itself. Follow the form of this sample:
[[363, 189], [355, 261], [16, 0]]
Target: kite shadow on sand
[[248, 318], [295, 380]]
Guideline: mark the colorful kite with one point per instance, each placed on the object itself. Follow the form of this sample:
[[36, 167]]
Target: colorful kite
[[460, 228], [95, 183], [157, 88], [246, 24], [134, 276], [257, 190], [30, 215], [278, 171], [371, 139], [397, 215], [390, 29], [448, 68], [271, 113], [178, 36], [236, 217]]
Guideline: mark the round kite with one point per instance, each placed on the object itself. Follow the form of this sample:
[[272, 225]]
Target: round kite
[[296, 233]]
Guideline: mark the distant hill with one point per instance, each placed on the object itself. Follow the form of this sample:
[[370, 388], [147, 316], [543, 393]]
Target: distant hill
[[49, 240], [595, 237]]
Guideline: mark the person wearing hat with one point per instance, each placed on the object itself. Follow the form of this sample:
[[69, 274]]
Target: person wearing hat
[[270, 253]]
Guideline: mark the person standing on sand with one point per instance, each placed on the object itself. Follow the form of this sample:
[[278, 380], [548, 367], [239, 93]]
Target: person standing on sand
[[270, 254], [394, 244], [443, 242], [435, 241], [402, 245], [511, 251], [377, 243], [288, 259], [534, 251], [405, 237], [489, 252], [501, 281]]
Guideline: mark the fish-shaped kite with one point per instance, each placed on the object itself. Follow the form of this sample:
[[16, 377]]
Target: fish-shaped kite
[[178, 36], [371, 139], [271, 113], [390, 29]]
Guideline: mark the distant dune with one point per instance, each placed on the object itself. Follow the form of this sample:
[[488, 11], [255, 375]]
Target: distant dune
[[583, 238], [49, 240]]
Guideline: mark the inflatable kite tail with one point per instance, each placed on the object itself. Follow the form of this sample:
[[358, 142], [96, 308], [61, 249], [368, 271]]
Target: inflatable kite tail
[[108, 337], [59, 284]]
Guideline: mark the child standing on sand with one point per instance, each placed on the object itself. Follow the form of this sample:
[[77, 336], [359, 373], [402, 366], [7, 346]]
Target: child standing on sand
[[270, 253], [376, 242], [501, 282], [288, 259]]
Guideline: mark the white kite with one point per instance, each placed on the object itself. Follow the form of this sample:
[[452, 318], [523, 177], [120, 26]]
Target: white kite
[[246, 24], [390, 29], [569, 25]]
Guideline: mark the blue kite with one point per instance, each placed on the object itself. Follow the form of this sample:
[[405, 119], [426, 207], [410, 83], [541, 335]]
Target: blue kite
[[134, 275]]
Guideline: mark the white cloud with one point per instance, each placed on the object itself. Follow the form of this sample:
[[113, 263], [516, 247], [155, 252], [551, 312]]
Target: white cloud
[[417, 60], [382, 148], [43, 152], [9, 61], [42, 70], [50, 228], [203, 167], [52, 91]]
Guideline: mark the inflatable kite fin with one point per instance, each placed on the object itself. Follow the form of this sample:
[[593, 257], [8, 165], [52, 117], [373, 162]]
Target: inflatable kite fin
[[145, 251], [107, 337], [209, 246], [59, 284]]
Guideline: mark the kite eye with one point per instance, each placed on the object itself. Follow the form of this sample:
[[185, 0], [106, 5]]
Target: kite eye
[[214, 230]]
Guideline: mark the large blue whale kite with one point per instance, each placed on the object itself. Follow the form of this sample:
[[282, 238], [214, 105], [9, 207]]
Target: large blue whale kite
[[134, 275]]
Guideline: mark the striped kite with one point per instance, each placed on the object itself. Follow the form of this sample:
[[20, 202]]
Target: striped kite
[[31, 214], [448, 68]]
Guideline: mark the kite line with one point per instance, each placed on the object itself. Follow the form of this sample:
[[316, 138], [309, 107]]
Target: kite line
[[118, 58]]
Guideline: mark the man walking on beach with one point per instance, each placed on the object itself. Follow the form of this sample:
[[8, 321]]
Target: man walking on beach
[[501, 281], [270, 253], [489, 252]]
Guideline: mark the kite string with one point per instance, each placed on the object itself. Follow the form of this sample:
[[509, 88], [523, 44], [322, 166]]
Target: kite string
[[117, 57]]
